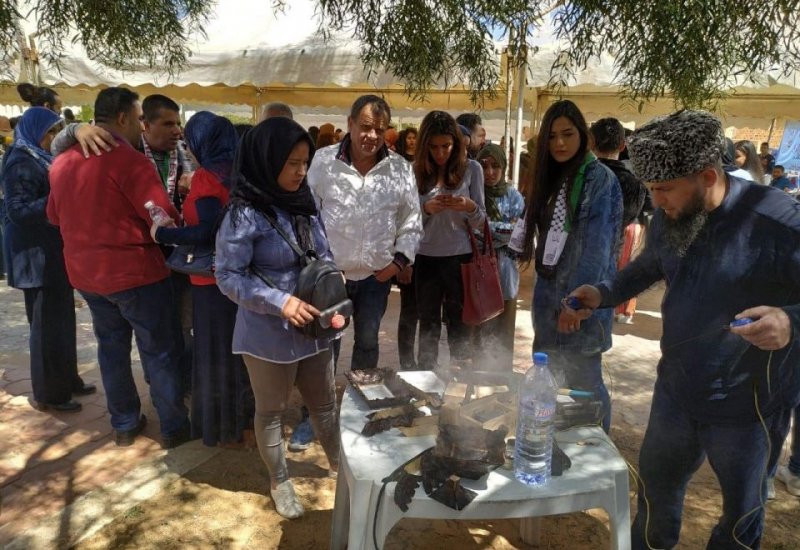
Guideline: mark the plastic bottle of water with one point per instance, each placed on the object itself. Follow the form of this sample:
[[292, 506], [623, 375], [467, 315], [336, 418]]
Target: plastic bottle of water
[[537, 409], [158, 214]]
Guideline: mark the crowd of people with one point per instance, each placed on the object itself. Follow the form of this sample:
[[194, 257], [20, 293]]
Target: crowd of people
[[400, 206]]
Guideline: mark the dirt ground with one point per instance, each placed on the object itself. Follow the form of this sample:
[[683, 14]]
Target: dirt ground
[[222, 503]]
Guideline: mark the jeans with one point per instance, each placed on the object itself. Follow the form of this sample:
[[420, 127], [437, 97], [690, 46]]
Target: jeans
[[147, 313], [674, 447], [439, 285], [583, 372], [369, 297]]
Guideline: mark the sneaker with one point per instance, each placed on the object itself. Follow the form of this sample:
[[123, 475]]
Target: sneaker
[[302, 436], [771, 495], [127, 437], [624, 319], [792, 481], [286, 502]]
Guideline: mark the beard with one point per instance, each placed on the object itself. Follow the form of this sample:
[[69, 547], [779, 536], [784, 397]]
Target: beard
[[682, 231]]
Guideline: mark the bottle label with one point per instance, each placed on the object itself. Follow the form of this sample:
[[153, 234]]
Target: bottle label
[[544, 412]]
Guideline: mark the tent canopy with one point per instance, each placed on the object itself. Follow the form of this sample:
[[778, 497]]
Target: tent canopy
[[252, 55]]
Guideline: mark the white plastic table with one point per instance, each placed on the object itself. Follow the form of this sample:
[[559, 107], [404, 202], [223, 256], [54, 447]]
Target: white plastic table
[[598, 478]]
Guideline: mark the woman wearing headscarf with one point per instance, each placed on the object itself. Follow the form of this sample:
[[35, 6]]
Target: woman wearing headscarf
[[35, 260], [271, 188], [220, 386], [504, 206]]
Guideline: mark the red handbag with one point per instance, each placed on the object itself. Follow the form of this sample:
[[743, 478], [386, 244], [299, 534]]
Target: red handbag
[[483, 297]]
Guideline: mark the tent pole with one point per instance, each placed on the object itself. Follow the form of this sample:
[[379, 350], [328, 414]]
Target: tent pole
[[522, 68], [509, 92]]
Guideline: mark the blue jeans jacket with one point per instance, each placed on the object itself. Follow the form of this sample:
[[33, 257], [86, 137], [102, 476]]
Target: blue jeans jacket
[[260, 330], [589, 256]]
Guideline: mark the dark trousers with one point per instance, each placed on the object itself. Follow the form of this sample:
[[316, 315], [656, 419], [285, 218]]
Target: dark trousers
[[147, 313], [794, 459], [438, 285], [54, 360], [674, 447], [493, 341], [369, 297], [583, 372], [407, 325]]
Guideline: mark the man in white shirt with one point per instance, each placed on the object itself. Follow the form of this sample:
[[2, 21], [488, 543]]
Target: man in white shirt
[[370, 206]]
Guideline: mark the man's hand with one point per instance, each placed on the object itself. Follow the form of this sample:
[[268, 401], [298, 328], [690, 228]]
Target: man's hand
[[185, 183], [153, 229], [298, 312], [435, 205], [387, 272], [404, 277], [590, 299], [771, 330], [94, 138], [568, 321]]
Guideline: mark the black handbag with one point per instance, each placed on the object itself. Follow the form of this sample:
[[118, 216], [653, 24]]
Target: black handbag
[[320, 284], [192, 259]]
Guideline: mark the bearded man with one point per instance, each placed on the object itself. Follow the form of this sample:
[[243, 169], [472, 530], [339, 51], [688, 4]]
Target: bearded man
[[727, 249]]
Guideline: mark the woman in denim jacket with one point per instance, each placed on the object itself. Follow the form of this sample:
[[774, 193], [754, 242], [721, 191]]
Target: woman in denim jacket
[[575, 211], [270, 181]]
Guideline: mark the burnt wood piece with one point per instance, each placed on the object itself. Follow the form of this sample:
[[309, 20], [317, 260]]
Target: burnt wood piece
[[452, 494], [406, 487], [467, 443], [382, 424], [363, 379]]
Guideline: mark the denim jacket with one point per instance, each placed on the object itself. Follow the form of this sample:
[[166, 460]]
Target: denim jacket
[[589, 256], [260, 330]]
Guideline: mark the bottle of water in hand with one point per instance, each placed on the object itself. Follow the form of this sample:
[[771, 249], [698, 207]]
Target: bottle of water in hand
[[158, 215], [537, 409]]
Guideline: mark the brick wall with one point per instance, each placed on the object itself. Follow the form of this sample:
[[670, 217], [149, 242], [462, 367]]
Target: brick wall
[[759, 135]]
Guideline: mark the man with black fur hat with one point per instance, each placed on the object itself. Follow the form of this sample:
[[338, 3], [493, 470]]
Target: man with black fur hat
[[727, 249]]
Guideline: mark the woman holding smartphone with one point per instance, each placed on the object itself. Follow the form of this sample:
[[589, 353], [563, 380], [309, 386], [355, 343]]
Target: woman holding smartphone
[[451, 197]]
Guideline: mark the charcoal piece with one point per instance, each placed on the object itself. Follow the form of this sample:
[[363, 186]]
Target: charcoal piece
[[559, 460], [434, 472], [376, 426], [404, 491], [453, 495]]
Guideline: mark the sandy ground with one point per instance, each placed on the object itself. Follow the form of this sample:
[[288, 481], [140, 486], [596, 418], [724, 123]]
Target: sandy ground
[[222, 503]]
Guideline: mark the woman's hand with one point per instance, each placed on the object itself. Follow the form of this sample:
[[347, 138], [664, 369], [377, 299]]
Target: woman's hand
[[460, 204], [94, 138], [435, 205], [298, 312]]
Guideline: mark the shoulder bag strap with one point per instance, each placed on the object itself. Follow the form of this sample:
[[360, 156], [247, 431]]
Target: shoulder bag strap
[[274, 223]]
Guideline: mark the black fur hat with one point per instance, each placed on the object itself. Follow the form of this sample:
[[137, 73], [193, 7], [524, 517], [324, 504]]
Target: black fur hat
[[676, 146]]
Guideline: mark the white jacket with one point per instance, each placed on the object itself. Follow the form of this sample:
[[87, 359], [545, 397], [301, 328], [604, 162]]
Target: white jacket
[[367, 218]]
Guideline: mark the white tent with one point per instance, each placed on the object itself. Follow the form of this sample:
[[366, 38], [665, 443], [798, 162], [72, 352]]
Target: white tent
[[252, 55]]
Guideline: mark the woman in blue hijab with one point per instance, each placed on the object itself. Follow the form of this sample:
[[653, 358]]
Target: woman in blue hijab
[[222, 401], [34, 255]]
